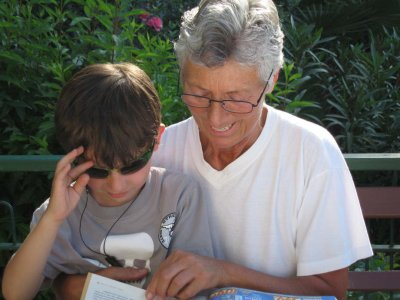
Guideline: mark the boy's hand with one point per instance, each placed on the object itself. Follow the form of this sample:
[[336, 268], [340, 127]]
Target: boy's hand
[[68, 184]]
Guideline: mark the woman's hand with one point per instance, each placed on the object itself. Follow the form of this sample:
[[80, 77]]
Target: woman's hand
[[183, 275]]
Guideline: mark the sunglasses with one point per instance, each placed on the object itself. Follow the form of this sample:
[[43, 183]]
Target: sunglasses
[[100, 173]]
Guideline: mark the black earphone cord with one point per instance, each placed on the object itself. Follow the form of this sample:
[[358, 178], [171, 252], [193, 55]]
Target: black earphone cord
[[110, 259]]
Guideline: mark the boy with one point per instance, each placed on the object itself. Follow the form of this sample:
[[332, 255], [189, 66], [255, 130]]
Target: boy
[[107, 206]]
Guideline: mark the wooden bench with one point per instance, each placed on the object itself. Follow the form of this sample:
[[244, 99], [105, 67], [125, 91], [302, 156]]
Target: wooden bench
[[376, 202]]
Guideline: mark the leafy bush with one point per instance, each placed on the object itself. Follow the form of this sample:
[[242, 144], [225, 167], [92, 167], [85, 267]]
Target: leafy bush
[[341, 71], [362, 106], [350, 65]]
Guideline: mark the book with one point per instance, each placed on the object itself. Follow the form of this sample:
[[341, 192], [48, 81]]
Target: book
[[102, 288], [233, 293]]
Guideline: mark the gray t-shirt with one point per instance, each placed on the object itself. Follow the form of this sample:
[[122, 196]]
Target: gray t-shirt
[[169, 213]]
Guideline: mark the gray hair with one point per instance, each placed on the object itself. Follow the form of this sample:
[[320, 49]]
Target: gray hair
[[247, 31]]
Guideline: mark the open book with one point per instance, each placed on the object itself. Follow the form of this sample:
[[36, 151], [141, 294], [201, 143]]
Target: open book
[[99, 287], [102, 288], [233, 293]]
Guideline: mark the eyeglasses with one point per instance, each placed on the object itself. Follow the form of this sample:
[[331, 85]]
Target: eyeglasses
[[135, 166], [233, 106]]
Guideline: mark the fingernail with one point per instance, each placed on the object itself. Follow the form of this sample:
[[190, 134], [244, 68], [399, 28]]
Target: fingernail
[[149, 296]]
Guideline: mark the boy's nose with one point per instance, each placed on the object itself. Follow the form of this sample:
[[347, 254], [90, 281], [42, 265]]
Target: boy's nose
[[115, 181]]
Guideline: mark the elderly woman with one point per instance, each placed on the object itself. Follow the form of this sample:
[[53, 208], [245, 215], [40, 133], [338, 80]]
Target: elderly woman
[[285, 212]]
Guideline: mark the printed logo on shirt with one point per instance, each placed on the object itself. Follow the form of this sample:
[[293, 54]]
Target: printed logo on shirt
[[167, 229]]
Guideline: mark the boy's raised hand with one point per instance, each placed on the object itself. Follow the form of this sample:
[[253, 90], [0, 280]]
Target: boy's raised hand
[[68, 184]]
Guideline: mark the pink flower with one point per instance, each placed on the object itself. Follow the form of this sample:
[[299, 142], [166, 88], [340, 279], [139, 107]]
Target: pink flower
[[155, 22], [151, 21]]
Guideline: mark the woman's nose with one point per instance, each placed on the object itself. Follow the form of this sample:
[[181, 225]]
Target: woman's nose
[[216, 112]]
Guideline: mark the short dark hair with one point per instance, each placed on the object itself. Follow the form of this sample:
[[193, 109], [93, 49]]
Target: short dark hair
[[113, 110]]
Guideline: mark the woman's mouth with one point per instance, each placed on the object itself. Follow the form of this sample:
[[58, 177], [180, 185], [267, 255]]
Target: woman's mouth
[[222, 128]]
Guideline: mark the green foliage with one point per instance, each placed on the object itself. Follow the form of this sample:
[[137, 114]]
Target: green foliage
[[341, 71], [159, 62], [289, 95], [45, 42], [346, 18], [363, 105], [353, 83]]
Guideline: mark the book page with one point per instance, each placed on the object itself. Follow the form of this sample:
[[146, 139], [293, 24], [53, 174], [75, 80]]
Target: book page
[[102, 288]]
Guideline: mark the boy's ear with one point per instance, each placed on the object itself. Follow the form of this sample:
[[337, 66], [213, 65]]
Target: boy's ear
[[160, 133]]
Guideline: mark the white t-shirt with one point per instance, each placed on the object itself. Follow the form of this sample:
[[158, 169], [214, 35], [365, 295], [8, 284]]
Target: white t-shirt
[[285, 207]]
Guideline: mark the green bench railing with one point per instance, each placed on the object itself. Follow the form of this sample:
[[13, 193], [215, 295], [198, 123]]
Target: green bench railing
[[373, 161], [376, 202], [28, 163], [355, 161]]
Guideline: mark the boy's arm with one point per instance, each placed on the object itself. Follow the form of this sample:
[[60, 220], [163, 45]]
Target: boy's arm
[[23, 274]]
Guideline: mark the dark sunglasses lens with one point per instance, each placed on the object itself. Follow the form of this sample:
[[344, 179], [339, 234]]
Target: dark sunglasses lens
[[97, 173], [135, 166]]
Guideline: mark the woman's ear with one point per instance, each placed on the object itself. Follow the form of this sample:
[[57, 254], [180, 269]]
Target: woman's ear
[[160, 133], [276, 76], [274, 80]]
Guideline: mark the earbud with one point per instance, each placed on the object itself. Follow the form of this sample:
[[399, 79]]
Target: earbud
[[113, 261]]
